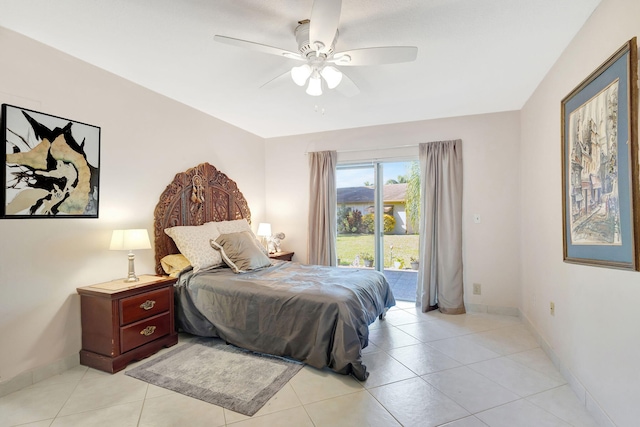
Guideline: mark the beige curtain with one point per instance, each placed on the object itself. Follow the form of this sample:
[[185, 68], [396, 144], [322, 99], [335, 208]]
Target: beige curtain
[[321, 248], [440, 276]]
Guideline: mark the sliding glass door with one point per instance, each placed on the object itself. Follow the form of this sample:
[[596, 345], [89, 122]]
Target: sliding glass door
[[356, 189], [377, 213]]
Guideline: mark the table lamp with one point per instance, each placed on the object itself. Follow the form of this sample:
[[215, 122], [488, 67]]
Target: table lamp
[[130, 240], [264, 231]]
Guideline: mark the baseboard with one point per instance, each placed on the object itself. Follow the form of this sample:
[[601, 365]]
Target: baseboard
[[28, 378], [490, 309], [592, 407]]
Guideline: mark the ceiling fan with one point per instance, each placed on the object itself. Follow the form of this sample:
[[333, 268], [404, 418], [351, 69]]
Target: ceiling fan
[[316, 39]]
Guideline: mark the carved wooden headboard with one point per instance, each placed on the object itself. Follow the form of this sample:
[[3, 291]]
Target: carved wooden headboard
[[199, 195]]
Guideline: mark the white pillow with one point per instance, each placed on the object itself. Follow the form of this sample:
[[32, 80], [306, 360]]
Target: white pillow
[[234, 226], [193, 242]]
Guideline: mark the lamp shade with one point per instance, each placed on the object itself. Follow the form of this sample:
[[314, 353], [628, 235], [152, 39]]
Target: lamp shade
[[301, 74], [130, 239], [315, 85], [264, 229], [332, 76]]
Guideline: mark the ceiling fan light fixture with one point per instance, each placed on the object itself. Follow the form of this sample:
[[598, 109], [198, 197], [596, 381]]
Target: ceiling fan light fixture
[[300, 74], [315, 85], [316, 38], [331, 75]]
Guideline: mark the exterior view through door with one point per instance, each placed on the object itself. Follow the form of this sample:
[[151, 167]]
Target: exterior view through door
[[377, 220]]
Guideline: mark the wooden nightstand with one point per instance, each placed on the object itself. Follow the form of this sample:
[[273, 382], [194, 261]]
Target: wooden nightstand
[[123, 321], [284, 256]]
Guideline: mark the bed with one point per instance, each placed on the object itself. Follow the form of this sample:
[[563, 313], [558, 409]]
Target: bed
[[315, 314]]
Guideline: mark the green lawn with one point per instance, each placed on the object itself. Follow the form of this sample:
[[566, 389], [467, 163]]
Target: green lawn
[[405, 246]]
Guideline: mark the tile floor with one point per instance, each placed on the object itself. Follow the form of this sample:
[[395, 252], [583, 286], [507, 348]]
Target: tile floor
[[472, 370]]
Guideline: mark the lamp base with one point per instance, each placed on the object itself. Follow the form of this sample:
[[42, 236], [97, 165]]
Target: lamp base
[[131, 277]]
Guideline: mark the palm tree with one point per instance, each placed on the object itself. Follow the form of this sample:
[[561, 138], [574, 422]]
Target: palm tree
[[412, 197], [402, 179]]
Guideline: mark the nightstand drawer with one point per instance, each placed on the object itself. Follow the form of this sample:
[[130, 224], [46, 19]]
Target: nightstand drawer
[[145, 331], [142, 306]]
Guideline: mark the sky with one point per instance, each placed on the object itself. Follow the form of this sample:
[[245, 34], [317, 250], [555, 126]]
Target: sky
[[357, 177]]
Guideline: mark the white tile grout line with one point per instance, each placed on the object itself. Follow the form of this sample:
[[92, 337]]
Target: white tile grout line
[[581, 392]]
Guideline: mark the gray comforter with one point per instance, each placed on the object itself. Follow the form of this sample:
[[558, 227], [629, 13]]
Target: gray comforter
[[318, 315]]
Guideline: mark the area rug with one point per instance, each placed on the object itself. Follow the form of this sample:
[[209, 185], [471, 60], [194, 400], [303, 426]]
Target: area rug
[[212, 371]]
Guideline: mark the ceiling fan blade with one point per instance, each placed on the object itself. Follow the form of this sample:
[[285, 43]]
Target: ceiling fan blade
[[325, 17], [347, 87], [375, 56], [257, 47], [277, 81]]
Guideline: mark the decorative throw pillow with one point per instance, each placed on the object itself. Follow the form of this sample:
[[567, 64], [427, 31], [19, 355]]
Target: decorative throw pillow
[[240, 251], [236, 226], [174, 264], [233, 226], [193, 242]]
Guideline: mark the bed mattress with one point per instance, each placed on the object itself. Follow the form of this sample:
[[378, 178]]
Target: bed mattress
[[315, 314]]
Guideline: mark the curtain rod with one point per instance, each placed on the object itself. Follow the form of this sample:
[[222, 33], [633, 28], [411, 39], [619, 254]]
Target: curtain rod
[[354, 150], [376, 149]]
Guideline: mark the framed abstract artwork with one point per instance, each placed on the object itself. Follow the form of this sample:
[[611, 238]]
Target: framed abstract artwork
[[52, 166], [600, 165]]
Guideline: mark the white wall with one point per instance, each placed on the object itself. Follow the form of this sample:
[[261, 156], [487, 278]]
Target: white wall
[[491, 188], [595, 330], [146, 140]]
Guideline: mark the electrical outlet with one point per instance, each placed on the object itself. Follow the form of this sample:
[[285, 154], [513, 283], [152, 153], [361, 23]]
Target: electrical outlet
[[552, 308], [477, 289]]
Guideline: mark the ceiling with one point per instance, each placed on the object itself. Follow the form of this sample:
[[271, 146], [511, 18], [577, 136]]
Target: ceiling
[[474, 56]]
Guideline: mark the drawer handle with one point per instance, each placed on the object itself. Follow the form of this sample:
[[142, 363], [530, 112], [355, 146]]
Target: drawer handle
[[148, 304], [149, 330]]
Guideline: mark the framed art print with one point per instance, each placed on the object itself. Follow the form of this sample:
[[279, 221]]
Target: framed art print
[[52, 166], [600, 165]]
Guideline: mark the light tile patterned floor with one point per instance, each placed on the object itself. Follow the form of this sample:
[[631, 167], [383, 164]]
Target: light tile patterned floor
[[472, 370]]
